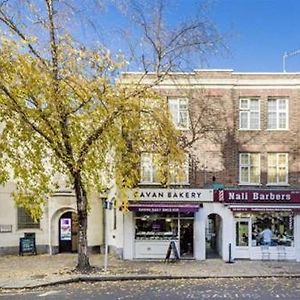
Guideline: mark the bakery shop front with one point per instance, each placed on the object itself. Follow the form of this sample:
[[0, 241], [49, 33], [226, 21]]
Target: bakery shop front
[[158, 216], [266, 223]]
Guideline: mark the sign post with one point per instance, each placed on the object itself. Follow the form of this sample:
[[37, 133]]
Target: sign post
[[107, 206]]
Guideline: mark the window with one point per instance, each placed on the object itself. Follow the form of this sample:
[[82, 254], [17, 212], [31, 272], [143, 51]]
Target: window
[[249, 168], [249, 114], [158, 226], [241, 231], [280, 229], [178, 108], [277, 168], [25, 220], [277, 113], [149, 168], [148, 106], [179, 173]]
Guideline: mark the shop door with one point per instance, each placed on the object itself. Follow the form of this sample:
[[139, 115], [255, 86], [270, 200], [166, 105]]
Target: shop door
[[68, 229], [186, 238], [213, 236], [242, 238]]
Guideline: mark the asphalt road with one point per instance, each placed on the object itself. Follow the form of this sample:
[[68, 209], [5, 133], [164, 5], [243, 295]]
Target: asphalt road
[[253, 288]]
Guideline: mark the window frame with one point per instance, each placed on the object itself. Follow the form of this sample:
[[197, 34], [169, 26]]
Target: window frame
[[249, 168], [248, 111], [28, 221], [176, 122], [151, 168], [277, 166], [278, 111], [186, 165]]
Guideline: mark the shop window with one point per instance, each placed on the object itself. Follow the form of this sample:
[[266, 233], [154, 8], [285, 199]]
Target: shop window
[[160, 226], [25, 220], [277, 113], [249, 168], [179, 173], [242, 230], [277, 168], [249, 114], [178, 108], [273, 229]]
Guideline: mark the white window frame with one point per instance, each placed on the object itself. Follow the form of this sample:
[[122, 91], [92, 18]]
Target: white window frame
[[249, 169], [247, 111], [151, 167], [185, 166], [278, 168], [176, 117], [278, 111]]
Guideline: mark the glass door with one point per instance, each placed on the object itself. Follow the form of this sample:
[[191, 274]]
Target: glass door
[[242, 238]]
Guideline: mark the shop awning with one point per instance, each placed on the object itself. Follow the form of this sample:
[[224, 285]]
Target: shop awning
[[147, 207]]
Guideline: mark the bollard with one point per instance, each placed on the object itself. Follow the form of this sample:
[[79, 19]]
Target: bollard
[[230, 261]]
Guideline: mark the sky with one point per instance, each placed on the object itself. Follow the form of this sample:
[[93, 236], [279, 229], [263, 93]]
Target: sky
[[257, 33], [260, 32]]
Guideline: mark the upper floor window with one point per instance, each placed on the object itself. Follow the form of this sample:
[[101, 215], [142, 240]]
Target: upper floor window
[[149, 168], [179, 173], [249, 114], [277, 113], [178, 108], [249, 168], [25, 220], [277, 168]]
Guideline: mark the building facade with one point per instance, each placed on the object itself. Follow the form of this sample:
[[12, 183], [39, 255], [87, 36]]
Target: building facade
[[242, 132], [56, 231]]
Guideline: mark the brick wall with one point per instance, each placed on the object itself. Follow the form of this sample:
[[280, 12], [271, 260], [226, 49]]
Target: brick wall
[[216, 102]]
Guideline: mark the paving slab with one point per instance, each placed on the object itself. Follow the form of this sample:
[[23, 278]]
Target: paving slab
[[40, 270]]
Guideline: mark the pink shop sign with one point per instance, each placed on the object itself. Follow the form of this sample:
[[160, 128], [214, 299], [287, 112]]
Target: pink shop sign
[[257, 196]]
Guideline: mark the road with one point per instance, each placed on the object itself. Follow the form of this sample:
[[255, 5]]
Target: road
[[252, 288]]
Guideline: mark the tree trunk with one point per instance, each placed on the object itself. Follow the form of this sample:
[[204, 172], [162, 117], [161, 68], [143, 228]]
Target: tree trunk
[[83, 264]]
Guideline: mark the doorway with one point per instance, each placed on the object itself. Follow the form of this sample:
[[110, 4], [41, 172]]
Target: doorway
[[213, 236], [187, 238], [68, 232]]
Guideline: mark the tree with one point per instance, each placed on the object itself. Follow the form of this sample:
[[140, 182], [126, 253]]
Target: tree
[[63, 112], [163, 46]]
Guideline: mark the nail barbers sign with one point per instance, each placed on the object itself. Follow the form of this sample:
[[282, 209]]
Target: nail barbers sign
[[257, 196]]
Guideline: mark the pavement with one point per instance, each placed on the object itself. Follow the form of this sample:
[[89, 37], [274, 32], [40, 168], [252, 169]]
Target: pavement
[[32, 271]]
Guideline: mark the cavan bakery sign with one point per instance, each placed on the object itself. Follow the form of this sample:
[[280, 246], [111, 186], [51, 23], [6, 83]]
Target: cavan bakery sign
[[203, 195], [257, 196]]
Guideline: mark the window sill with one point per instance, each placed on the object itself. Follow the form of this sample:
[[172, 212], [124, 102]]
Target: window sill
[[29, 229], [244, 129], [277, 184], [278, 129], [150, 183], [250, 184], [182, 129]]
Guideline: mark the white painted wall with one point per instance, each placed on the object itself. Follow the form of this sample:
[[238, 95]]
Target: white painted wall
[[47, 234], [128, 233], [226, 234], [297, 237]]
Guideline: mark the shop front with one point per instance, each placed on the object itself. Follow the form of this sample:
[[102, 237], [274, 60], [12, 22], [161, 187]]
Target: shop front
[[266, 223], [159, 216]]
